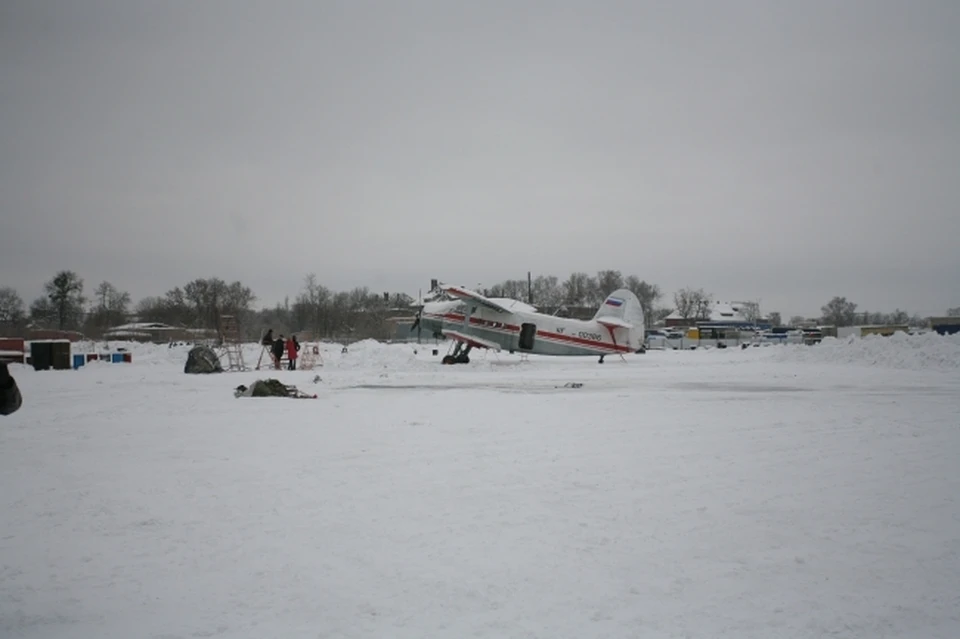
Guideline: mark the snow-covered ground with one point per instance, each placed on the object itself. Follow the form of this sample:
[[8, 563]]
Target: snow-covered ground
[[785, 491]]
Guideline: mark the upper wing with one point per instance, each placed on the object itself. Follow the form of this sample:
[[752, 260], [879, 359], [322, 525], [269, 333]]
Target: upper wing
[[467, 294]]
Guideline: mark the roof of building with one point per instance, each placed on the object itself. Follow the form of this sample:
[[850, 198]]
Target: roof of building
[[144, 326], [719, 312]]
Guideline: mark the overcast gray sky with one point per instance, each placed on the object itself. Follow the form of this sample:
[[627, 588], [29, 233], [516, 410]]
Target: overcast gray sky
[[781, 150]]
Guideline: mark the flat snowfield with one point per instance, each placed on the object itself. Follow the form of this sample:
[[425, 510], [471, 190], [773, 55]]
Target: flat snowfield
[[769, 492]]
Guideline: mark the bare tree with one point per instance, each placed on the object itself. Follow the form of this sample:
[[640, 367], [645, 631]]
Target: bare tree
[[898, 318], [594, 296], [703, 303], [110, 306], [12, 314], [65, 292], [775, 319], [211, 298], [839, 312], [685, 303], [577, 290], [152, 309], [660, 314], [43, 313], [953, 312], [314, 300], [197, 295], [547, 291], [608, 282], [280, 318], [648, 294], [916, 321], [171, 308], [692, 304], [513, 289], [237, 300], [750, 311]]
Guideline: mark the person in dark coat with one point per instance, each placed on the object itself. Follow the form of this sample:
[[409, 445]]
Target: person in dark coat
[[278, 351], [268, 338], [10, 398]]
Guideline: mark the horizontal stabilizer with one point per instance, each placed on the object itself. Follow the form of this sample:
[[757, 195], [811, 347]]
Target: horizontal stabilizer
[[614, 322]]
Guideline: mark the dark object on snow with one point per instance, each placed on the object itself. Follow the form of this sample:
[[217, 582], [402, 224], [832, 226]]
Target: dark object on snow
[[50, 354], [10, 398], [202, 360], [270, 388]]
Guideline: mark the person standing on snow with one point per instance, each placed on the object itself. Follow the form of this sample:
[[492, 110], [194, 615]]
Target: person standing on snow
[[10, 398], [293, 346], [278, 351], [267, 338]]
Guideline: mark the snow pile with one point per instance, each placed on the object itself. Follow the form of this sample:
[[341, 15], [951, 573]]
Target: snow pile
[[140, 352], [920, 352], [364, 354], [371, 354]]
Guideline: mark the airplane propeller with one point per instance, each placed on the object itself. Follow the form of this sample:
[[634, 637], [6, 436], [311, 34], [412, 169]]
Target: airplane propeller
[[432, 294], [416, 322]]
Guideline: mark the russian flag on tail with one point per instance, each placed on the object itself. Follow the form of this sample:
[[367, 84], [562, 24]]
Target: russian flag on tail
[[614, 301]]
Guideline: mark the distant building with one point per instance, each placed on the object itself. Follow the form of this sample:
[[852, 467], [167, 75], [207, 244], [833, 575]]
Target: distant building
[[54, 334], [156, 332], [945, 325], [721, 314], [871, 329]]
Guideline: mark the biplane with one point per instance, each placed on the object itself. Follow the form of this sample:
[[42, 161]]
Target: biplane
[[473, 321]]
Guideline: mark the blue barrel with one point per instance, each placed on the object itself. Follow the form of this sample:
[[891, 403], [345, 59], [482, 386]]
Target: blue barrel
[[79, 360], [116, 358]]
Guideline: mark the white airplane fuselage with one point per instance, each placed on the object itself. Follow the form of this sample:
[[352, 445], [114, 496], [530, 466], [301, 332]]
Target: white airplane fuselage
[[528, 331]]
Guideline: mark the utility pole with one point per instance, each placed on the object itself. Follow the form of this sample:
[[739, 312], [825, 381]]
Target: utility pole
[[529, 289]]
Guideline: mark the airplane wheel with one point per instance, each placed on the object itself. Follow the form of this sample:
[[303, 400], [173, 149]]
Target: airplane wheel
[[448, 359], [463, 359]]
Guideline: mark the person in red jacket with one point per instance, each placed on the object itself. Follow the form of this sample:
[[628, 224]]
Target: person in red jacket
[[293, 347]]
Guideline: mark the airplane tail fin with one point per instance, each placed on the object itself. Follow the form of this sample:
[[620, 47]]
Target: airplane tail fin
[[622, 305]]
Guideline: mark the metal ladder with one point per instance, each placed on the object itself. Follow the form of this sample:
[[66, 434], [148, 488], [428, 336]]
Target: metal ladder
[[231, 343]]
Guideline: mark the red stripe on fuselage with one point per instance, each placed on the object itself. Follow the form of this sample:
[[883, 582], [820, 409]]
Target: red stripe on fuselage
[[580, 341]]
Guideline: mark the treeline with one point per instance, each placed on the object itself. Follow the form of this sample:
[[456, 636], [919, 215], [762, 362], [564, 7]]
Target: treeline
[[580, 290], [841, 312], [199, 304], [358, 313], [315, 308]]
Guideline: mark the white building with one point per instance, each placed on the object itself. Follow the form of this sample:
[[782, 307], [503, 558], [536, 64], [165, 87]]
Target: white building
[[727, 313]]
